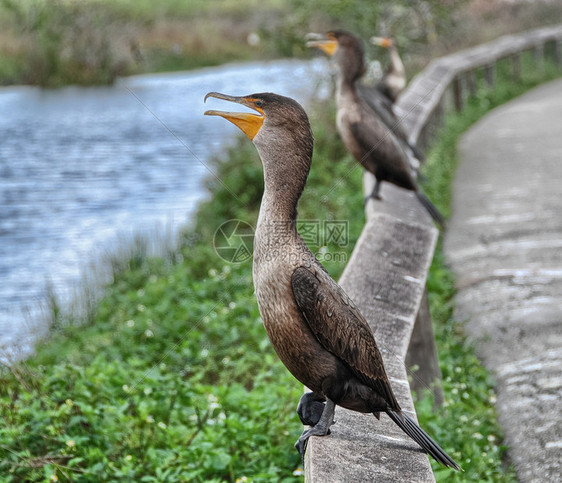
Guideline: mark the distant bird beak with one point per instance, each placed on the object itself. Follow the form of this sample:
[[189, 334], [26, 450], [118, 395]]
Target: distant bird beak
[[314, 36], [384, 42], [248, 122], [319, 41]]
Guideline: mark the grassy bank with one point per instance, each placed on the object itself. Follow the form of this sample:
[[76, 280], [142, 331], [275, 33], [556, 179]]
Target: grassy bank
[[58, 42], [174, 378]]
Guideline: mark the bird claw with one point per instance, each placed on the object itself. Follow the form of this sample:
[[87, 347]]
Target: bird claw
[[371, 197], [301, 445], [302, 442]]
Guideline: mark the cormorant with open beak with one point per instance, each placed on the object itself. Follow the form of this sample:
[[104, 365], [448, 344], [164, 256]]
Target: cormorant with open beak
[[393, 80], [314, 327], [372, 140]]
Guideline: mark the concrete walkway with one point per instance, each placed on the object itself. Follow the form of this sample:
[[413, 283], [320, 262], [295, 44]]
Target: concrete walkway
[[504, 243]]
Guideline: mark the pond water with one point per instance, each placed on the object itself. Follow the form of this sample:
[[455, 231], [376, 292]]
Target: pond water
[[83, 169]]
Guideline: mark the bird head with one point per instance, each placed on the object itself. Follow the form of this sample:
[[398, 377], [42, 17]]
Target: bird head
[[345, 47], [280, 129], [384, 42]]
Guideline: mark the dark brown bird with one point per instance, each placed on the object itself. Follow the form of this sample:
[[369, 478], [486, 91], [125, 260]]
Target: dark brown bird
[[314, 327], [381, 149], [393, 80]]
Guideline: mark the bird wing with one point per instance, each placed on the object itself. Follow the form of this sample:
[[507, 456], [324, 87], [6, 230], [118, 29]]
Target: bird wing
[[382, 107], [341, 328], [383, 153]]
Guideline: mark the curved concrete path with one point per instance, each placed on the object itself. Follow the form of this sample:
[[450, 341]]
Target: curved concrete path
[[504, 243]]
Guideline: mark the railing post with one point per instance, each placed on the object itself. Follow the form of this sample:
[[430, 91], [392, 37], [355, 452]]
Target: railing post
[[490, 74], [422, 353], [471, 82], [458, 92], [538, 54], [558, 51], [516, 66]]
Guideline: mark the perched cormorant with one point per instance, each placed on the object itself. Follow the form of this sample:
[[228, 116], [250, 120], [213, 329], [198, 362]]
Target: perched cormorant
[[393, 80], [364, 131], [378, 102], [316, 330]]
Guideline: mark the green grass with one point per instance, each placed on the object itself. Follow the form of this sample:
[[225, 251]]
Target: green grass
[[174, 378]]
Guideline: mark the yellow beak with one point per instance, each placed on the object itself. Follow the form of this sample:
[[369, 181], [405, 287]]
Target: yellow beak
[[248, 122], [328, 46], [384, 42]]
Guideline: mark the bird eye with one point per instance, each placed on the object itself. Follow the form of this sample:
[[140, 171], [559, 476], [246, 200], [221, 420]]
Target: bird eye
[[259, 103]]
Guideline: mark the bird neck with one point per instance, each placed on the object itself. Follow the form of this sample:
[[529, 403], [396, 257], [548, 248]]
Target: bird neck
[[396, 61], [345, 91], [286, 169], [279, 204]]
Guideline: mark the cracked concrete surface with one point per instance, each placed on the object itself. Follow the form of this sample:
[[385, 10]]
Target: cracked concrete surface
[[504, 243]]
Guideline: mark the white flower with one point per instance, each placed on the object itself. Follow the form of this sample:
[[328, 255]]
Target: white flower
[[491, 438], [147, 390], [70, 443], [148, 333], [54, 478], [298, 472], [162, 425], [232, 305], [149, 419], [130, 323], [477, 436], [128, 457]]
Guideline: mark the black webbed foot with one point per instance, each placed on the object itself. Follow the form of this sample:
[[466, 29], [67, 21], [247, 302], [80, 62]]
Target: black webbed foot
[[310, 408]]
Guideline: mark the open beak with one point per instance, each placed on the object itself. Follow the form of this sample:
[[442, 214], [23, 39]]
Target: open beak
[[319, 41], [248, 122], [381, 41]]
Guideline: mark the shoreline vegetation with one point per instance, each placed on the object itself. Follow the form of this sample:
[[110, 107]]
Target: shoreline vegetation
[[174, 379], [171, 376], [52, 43]]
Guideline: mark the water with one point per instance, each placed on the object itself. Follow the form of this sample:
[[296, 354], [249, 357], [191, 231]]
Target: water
[[81, 169]]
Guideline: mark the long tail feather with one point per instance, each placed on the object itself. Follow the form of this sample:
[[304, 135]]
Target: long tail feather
[[408, 425], [417, 152], [431, 209]]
